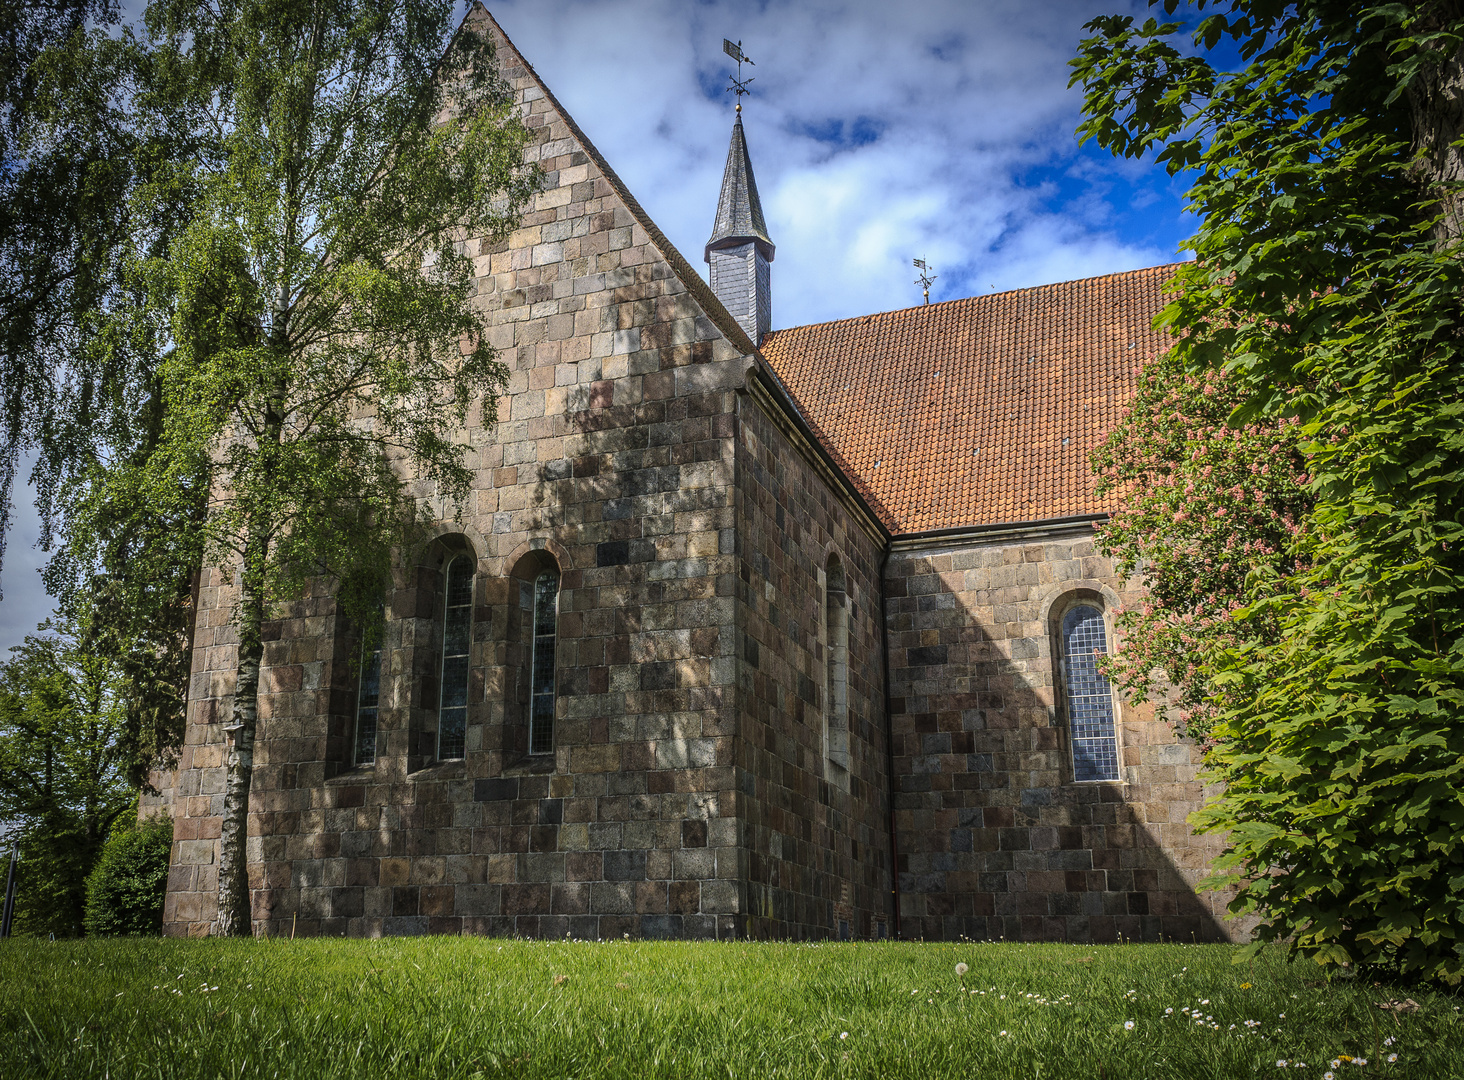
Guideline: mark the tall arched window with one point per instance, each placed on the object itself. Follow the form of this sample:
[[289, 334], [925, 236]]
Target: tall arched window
[[1089, 697], [457, 634], [368, 696], [836, 676], [541, 662]]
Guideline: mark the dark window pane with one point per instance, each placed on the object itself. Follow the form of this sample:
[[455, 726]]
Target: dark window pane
[[1089, 698], [454, 682], [457, 634], [541, 665], [368, 694], [459, 626], [451, 733], [460, 582]]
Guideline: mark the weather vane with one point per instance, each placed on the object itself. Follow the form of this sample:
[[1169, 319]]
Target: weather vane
[[925, 278], [739, 84]]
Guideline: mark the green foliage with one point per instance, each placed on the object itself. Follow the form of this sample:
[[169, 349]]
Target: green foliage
[[61, 777], [474, 1007], [320, 348], [80, 387], [1326, 291], [124, 893], [321, 370], [1206, 507], [65, 165]]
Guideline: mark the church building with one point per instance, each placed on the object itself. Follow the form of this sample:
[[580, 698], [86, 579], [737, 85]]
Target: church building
[[741, 634]]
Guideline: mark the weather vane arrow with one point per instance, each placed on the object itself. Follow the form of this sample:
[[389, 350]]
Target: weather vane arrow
[[739, 84], [926, 278]]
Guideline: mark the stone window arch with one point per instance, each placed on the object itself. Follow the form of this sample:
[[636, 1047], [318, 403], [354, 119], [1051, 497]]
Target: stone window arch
[[366, 729], [1080, 636], [533, 633], [433, 648], [836, 672], [455, 657]]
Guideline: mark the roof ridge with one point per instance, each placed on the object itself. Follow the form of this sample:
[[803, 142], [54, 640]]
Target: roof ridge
[[689, 278], [973, 299]]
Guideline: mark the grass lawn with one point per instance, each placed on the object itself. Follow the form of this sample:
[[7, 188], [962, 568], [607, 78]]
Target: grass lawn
[[470, 1008]]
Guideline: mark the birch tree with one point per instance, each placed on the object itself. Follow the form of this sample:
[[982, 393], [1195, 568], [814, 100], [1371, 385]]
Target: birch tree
[[321, 358]]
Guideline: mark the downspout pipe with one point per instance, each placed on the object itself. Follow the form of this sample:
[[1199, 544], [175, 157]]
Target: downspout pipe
[[884, 630]]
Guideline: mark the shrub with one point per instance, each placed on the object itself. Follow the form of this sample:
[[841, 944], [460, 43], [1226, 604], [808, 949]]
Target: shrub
[[124, 894]]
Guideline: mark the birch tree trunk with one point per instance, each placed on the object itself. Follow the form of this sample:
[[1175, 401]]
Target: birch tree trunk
[[235, 917]]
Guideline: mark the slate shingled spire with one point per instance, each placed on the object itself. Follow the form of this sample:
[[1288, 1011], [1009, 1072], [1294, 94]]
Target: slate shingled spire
[[740, 249]]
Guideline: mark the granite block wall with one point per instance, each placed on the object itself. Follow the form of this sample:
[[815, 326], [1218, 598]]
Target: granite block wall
[[613, 464], [815, 835], [995, 838]]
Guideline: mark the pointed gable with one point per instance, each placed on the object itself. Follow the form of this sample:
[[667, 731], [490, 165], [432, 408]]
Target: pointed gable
[[541, 108]]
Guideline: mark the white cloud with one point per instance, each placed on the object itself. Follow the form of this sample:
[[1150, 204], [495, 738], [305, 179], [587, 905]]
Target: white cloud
[[879, 133]]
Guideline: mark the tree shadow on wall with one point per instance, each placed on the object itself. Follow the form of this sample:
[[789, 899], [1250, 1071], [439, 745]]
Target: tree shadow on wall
[[996, 838]]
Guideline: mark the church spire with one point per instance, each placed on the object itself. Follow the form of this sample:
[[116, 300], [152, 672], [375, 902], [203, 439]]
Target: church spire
[[740, 249]]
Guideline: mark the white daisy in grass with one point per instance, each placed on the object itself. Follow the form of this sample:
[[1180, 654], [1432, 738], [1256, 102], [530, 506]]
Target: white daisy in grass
[[1128, 1025]]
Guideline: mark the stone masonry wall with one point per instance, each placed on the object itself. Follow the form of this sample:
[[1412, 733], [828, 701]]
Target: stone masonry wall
[[816, 850], [995, 839], [613, 461]]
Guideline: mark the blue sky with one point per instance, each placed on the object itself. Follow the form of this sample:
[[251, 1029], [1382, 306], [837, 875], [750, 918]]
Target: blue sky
[[879, 133]]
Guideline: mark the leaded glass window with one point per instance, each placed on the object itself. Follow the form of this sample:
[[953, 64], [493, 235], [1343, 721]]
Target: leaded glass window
[[368, 695], [1089, 697], [541, 665], [457, 632]]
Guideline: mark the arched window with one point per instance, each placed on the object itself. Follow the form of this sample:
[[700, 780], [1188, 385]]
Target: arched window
[[1089, 697], [836, 674], [368, 695], [457, 634], [541, 662]]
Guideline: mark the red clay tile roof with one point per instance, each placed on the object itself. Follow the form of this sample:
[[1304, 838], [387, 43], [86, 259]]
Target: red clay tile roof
[[979, 411]]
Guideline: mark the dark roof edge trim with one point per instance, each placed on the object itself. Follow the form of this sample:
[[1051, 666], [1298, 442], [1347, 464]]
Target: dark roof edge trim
[[957, 533], [768, 381]]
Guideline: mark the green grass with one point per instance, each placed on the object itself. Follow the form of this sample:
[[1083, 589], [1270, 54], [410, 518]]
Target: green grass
[[465, 1008]]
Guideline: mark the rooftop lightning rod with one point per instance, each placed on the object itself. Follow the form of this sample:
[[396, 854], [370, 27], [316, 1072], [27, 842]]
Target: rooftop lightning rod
[[925, 278], [739, 84]]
